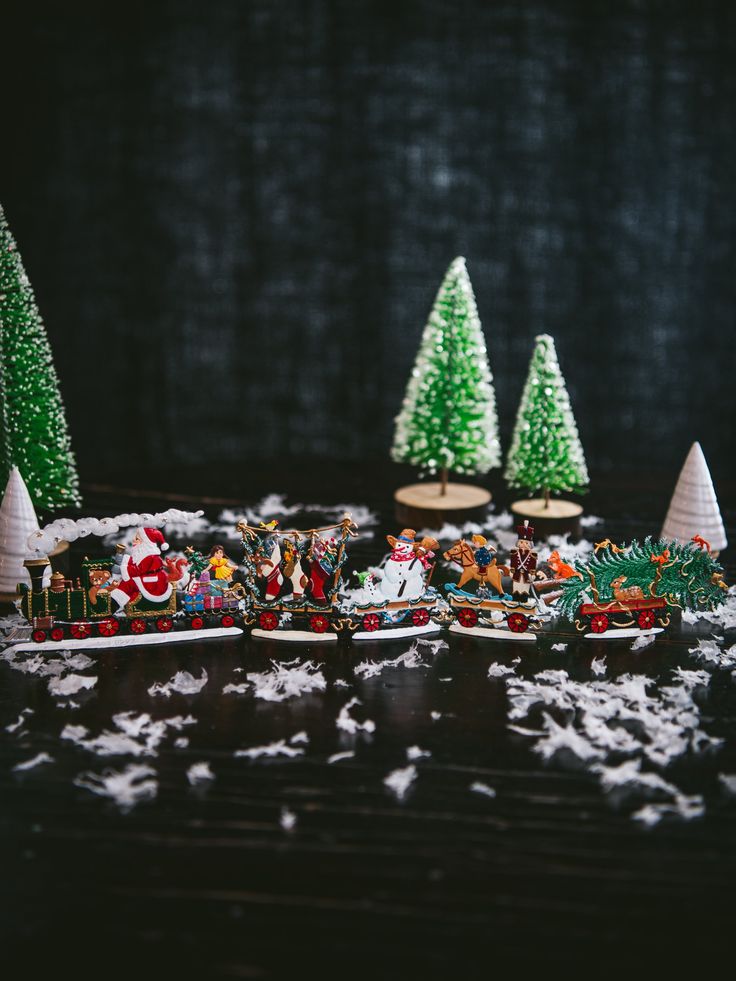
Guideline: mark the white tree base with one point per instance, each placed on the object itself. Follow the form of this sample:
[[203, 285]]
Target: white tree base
[[495, 633], [457, 497], [624, 633], [555, 510], [396, 633], [129, 640], [294, 636]]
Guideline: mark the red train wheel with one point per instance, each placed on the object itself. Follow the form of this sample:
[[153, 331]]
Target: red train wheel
[[164, 624], [108, 628], [138, 626], [196, 623], [38, 636], [57, 633], [80, 631], [467, 617], [645, 619], [599, 623], [517, 623], [420, 618], [319, 623], [228, 620], [267, 620], [371, 622]]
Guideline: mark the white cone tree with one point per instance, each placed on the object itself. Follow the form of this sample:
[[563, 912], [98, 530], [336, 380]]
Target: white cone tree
[[448, 419], [694, 506], [17, 521]]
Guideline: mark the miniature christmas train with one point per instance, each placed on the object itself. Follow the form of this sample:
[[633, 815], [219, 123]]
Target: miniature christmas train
[[123, 595], [292, 589]]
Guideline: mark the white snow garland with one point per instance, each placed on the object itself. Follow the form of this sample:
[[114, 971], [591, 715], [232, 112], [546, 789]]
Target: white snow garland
[[67, 530]]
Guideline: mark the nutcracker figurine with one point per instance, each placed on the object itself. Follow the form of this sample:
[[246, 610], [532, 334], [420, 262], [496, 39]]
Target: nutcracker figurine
[[523, 561]]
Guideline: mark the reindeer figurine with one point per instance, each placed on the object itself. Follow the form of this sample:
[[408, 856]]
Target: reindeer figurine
[[476, 563], [625, 595]]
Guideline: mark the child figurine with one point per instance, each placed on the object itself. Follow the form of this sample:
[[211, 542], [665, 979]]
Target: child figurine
[[523, 560], [221, 567]]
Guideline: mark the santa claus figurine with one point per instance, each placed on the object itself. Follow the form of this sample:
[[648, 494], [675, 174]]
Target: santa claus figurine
[[142, 571], [523, 560]]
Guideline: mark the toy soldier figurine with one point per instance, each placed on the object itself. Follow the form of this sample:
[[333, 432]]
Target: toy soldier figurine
[[523, 562]]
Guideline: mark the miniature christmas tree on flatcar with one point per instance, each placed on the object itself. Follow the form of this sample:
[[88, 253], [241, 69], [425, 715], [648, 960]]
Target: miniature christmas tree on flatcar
[[546, 453], [448, 419], [33, 430]]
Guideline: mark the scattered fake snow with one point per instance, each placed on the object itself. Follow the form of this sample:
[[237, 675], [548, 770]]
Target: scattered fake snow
[[181, 742], [288, 819], [236, 689], [435, 716], [126, 787], [347, 723], [416, 753], [412, 658], [644, 641], [279, 748], [287, 679], [36, 760], [183, 683], [199, 773], [597, 723], [14, 726], [728, 782], [71, 684], [399, 781], [482, 788], [559, 647], [336, 757], [724, 617], [497, 670], [598, 666], [134, 735], [712, 656], [299, 737]]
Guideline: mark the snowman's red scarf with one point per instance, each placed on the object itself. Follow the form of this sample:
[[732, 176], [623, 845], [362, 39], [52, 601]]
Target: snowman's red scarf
[[398, 557]]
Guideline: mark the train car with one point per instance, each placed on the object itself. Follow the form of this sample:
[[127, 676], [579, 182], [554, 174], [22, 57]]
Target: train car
[[500, 617]]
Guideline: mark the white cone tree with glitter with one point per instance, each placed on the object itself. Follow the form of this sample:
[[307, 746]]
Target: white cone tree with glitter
[[17, 521], [448, 419], [694, 507]]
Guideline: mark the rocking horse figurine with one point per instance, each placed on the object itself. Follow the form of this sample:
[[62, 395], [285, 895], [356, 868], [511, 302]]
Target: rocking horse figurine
[[477, 563], [482, 613]]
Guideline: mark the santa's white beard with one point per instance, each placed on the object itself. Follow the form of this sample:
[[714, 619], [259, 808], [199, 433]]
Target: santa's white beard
[[142, 551]]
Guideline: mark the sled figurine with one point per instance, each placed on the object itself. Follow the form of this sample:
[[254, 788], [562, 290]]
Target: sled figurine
[[135, 595], [628, 592], [292, 580], [491, 611], [396, 599]]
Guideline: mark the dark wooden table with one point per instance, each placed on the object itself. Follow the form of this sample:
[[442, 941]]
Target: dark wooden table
[[205, 881]]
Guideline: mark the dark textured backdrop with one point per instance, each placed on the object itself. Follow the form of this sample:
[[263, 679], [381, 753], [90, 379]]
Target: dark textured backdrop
[[235, 215]]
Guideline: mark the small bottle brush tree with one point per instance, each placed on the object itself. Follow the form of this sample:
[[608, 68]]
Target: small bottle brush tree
[[546, 453], [448, 418], [33, 430]]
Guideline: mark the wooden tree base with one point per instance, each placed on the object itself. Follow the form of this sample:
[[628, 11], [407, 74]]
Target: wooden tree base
[[423, 506], [557, 518]]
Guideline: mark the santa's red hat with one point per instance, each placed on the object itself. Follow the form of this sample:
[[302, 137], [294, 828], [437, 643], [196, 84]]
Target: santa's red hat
[[155, 537]]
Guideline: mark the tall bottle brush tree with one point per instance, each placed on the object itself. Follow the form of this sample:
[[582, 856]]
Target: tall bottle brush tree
[[546, 453], [33, 429], [448, 419]]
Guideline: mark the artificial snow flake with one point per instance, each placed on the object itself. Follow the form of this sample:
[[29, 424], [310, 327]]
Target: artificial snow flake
[[644, 641], [723, 617], [559, 647], [399, 781], [288, 679], [133, 735], [181, 742], [278, 748], [236, 689], [126, 787], [183, 683], [435, 716], [36, 760], [288, 819], [712, 656], [497, 670], [598, 666], [348, 724], [14, 726], [417, 753], [199, 773], [683, 807], [728, 782], [477, 787], [337, 757], [71, 684], [299, 737]]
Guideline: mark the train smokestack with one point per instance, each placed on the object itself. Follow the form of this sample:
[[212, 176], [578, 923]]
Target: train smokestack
[[37, 570]]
